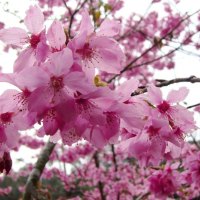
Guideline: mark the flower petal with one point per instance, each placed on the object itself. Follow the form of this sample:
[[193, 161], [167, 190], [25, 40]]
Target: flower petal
[[176, 96], [56, 35], [25, 59], [109, 28], [86, 23], [15, 36], [154, 95], [34, 20], [60, 62]]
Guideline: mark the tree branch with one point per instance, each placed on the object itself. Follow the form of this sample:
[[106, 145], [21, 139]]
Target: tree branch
[[114, 157], [192, 106], [100, 184], [191, 79], [68, 9], [128, 66], [73, 15], [34, 177]]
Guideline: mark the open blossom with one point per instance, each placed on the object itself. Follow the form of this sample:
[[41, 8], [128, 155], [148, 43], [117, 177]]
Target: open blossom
[[180, 119], [149, 146], [192, 164], [164, 183], [164, 128], [37, 49], [97, 49]]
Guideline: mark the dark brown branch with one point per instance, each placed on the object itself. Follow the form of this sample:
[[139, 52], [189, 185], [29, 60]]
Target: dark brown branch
[[73, 15], [115, 164], [128, 66], [195, 142], [100, 184], [34, 177], [191, 79], [68, 9], [158, 58], [114, 157], [192, 106]]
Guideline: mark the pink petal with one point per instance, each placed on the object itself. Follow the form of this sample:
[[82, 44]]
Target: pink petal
[[2, 135], [12, 136], [32, 78], [108, 55], [124, 90], [39, 100], [95, 137], [71, 82], [86, 23], [8, 78], [60, 62], [50, 125], [15, 36], [70, 136], [34, 20], [25, 59], [107, 61], [113, 123], [56, 35], [7, 100], [77, 42], [42, 52], [109, 28], [56, 137], [176, 96], [154, 95]]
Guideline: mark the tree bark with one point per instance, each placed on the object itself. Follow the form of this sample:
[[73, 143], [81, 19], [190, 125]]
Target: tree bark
[[34, 177]]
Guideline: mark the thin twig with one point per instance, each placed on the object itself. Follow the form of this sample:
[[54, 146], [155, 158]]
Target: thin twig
[[128, 66], [73, 15], [100, 184], [68, 8], [114, 157], [192, 106], [195, 142]]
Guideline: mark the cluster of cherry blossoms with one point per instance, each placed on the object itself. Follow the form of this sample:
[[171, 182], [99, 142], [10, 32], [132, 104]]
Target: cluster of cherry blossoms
[[119, 175], [59, 86]]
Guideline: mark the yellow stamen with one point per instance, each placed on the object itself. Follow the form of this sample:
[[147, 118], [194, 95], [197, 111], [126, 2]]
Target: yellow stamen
[[98, 82]]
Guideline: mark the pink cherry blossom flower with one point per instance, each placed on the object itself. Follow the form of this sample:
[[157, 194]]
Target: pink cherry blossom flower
[[37, 48], [180, 119], [192, 163], [97, 50], [164, 183]]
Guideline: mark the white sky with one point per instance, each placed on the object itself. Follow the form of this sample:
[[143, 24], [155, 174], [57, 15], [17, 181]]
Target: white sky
[[185, 65]]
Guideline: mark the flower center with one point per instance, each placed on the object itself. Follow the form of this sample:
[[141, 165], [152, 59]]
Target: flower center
[[86, 52], [57, 83], [34, 40], [6, 117], [153, 131], [163, 107]]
